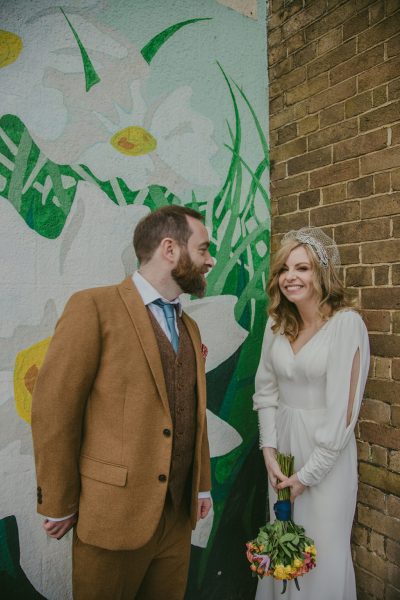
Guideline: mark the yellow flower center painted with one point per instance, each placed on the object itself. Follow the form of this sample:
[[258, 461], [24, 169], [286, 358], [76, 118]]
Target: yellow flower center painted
[[133, 141], [10, 47], [27, 365]]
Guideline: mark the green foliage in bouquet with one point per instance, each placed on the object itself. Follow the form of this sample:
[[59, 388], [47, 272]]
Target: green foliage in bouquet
[[282, 549]]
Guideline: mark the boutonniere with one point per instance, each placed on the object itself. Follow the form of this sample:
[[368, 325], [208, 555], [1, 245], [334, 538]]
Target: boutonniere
[[204, 351]]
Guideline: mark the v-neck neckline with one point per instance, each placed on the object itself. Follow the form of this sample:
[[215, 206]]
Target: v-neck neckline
[[295, 354]]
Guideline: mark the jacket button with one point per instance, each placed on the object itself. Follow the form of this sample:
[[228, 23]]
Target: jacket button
[[167, 432], [162, 478]]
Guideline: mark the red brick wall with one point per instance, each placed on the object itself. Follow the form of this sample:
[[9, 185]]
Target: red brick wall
[[334, 68]]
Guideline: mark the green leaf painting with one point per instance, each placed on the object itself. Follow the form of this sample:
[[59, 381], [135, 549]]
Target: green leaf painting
[[152, 47], [40, 191], [91, 77]]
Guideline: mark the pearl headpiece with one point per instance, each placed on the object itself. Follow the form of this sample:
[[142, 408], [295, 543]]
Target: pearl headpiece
[[324, 247]]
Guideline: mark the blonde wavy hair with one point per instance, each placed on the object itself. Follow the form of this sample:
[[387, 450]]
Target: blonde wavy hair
[[328, 287]]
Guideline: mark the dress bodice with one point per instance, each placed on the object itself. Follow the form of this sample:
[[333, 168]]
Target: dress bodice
[[301, 377]]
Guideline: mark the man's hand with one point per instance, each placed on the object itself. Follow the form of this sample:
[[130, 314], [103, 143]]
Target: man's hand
[[296, 488], [57, 529], [203, 507]]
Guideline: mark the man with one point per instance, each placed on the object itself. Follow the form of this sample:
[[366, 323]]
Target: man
[[119, 422]]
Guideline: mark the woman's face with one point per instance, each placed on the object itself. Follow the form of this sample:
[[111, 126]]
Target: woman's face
[[296, 280]]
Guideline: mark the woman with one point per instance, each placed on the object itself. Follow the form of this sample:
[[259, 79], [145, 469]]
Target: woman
[[309, 387]]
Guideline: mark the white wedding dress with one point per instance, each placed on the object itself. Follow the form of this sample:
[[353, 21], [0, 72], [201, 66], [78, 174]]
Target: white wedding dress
[[302, 402]]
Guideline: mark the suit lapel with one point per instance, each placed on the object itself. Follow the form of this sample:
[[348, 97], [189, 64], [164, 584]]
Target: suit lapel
[[144, 329], [200, 368]]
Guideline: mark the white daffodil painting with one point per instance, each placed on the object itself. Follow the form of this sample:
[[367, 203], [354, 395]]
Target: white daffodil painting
[[109, 127], [157, 149], [109, 110]]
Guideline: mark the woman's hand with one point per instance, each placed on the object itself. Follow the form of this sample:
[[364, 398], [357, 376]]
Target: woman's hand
[[274, 472], [296, 488]]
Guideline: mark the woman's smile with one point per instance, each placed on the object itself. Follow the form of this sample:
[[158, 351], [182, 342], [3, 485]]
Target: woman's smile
[[296, 279]]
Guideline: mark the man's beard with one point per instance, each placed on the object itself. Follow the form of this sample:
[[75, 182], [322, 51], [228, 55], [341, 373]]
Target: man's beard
[[188, 276]]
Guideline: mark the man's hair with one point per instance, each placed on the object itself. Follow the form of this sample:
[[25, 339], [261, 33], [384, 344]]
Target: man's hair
[[168, 221]]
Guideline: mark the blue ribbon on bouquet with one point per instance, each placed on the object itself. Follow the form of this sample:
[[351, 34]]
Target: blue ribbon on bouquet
[[283, 510]]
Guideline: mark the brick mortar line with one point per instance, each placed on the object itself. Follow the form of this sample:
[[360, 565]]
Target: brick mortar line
[[332, 144], [341, 121]]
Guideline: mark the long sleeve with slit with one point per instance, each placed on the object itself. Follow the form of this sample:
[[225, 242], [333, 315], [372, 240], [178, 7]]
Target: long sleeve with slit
[[265, 399], [303, 401], [349, 336]]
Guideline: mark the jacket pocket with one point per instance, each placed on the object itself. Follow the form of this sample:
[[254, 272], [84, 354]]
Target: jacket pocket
[[103, 471]]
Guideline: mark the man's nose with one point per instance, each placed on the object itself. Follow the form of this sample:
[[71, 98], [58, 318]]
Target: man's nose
[[210, 261]]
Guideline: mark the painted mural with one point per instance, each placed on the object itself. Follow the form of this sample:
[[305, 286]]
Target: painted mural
[[109, 110]]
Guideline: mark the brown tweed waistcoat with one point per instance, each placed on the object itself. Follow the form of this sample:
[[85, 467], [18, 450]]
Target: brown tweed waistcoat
[[180, 380]]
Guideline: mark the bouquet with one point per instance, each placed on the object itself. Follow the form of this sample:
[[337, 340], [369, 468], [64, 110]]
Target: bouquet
[[282, 550]]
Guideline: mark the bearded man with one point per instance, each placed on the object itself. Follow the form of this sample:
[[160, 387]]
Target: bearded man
[[119, 420]]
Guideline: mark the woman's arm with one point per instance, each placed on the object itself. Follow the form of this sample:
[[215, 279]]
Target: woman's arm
[[347, 371], [265, 402]]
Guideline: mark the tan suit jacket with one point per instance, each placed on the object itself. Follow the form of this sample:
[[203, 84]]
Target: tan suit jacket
[[99, 412]]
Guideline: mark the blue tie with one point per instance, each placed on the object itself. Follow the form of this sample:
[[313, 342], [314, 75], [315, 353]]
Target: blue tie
[[169, 313]]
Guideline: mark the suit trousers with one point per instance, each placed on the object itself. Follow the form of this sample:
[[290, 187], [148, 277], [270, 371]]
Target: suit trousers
[[157, 570]]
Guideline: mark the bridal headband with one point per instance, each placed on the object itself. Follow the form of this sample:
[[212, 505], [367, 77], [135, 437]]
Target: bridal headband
[[324, 247]]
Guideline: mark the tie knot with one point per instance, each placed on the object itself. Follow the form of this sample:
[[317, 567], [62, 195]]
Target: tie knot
[[168, 308]]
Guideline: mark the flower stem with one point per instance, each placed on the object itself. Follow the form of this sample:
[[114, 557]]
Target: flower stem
[[286, 464]]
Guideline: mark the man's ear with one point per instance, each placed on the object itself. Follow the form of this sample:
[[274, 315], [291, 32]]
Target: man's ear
[[169, 249]]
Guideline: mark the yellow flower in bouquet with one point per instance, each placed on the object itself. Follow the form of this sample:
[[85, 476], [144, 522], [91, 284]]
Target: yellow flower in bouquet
[[280, 572], [290, 570], [297, 563], [311, 550]]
